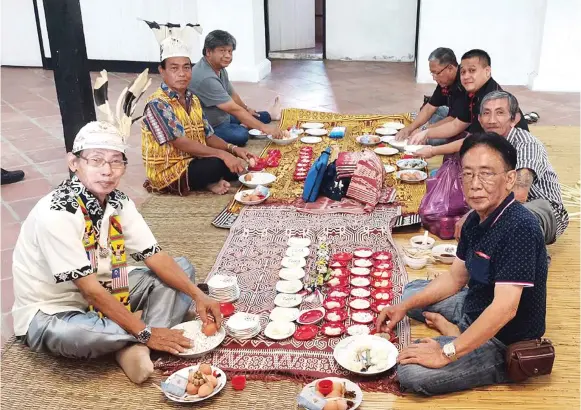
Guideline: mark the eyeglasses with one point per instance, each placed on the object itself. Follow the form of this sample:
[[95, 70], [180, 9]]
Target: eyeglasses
[[440, 72], [100, 162], [486, 177]]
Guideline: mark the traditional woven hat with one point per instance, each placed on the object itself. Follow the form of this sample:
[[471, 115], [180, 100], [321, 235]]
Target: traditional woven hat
[[173, 39], [113, 132]]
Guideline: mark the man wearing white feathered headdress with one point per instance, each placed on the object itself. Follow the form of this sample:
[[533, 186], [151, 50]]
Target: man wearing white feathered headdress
[[223, 106], [74, 293], [179, 147]]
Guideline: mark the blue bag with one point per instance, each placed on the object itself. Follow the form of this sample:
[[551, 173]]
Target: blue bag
[[315, 177]]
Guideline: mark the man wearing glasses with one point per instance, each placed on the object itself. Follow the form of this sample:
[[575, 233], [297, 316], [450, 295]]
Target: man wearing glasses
[[440, 107]]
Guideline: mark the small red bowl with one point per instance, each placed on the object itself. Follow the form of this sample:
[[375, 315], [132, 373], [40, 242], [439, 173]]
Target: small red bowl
[[378, 306], [300, 178], [362, 317], [338, 282], [227, 309], [360, 293], [363, 252], [362, 263], [340, 272], [342, 256], [338, 292], [383, 265], [311, 316], [327, 326], [365, 304], [238, 382], [342, 315], [382, 256], [334, 303], [381, 274], [306, 332], [360, 271], [360, 282], [382, 284], [382, 295]]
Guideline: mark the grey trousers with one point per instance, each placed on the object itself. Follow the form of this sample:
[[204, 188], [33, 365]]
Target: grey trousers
[[86, 336], [439, 115], [542, 209], [481, 367]]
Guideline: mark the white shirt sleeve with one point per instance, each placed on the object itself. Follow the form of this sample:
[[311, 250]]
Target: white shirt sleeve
[[60, 239], [139, 240]]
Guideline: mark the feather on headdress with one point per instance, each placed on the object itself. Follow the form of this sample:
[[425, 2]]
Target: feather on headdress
[[173, 38]]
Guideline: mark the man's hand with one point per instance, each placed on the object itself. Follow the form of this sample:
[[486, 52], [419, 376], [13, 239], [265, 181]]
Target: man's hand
[[419, 138], [403, 134], [234, 164], [276, 132], [427, 353], [253, 112], [427, 152], [458, 227], [393, 315], [244, 154], [168, 340], [205, 305]]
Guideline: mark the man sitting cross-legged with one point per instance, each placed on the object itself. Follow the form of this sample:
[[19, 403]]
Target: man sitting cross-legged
[[180, 150], [502, 259], [223, 106], [537, 185], [74, 293]]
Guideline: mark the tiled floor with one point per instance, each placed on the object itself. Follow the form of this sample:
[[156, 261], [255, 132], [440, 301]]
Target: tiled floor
[[31, 129]]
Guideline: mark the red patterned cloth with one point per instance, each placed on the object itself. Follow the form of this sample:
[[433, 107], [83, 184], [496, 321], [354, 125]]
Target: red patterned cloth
[[253, 251], [367, 181]]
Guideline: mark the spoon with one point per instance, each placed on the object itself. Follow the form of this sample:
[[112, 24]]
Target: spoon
[[425, 241]]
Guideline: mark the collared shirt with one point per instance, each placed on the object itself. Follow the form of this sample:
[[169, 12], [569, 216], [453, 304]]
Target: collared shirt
[[507, 248], [448, 96], [212, 89], [49, 254], [469, 107], [161, 121], [533, 155]]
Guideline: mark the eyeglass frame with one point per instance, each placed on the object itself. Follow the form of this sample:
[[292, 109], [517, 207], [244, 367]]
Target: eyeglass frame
[[479, 175], [440, 72], [104, 161]]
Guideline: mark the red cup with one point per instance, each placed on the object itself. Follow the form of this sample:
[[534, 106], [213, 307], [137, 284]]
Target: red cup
[[325, 387], [238, 382]]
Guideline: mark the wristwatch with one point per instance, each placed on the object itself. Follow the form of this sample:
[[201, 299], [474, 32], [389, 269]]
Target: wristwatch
[[449, 351], [144, 335]]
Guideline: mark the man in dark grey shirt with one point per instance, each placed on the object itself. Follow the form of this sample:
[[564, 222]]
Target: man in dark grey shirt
[[225, 110]]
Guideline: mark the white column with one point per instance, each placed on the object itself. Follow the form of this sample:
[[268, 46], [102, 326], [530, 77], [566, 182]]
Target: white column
[[244, 19]]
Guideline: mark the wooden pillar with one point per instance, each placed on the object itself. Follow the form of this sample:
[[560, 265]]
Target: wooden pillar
[[70, 66]]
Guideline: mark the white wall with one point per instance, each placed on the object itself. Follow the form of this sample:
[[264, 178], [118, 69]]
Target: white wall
[[371, 29], [291, 24], [559, 54], [19, 45]]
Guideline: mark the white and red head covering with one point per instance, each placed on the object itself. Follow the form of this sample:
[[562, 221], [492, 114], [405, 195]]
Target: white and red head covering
[[174, 39]]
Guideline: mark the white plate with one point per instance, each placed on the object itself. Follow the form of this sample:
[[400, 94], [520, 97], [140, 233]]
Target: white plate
[[187, 398], [288, 300], [279, 330], [296, 242], [291, 273], [289, 286], [223, 281], [256, 133], [387, 139], [404, 175], [312, 125], [239, 194], [344, 352], [293, 262], [385, 151], [414, 148], [394, 125], [316, 132], [389, 168], [202, 343], [297, 131], [284, 314], [297, 252], [349, 386], [438, 250], [415, 163], [311, 140], [242, 322], [386, 131], [258, 178], [363, 138]]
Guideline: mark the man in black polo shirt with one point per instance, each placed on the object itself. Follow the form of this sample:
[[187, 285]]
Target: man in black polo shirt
[[475, 75], [502, 259], [444, 70]]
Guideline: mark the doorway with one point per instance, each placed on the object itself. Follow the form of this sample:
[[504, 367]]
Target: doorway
[[295, 29]]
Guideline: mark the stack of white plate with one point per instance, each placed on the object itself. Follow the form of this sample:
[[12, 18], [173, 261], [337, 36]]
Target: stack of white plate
[[242, 325], [223, 288]]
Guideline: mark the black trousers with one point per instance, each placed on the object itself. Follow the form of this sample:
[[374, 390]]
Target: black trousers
[[205, 171]]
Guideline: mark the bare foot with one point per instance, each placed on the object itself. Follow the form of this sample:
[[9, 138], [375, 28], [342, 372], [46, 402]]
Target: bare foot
[[438, 322], [135, 362], [275, 110], [221, 187]]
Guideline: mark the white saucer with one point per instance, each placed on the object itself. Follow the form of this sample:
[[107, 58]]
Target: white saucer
[[288, 300], [284, 314], [311, 140], [297, 252], [293, 262], [291, 273], [386, 131], [277, 330], [312, 125], [389, 168], [386, 151], [297, 242], [394, 125], [289, 286], [316, 132]]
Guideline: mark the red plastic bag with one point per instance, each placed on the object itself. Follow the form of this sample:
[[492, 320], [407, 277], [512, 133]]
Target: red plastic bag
[[444, 202]]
